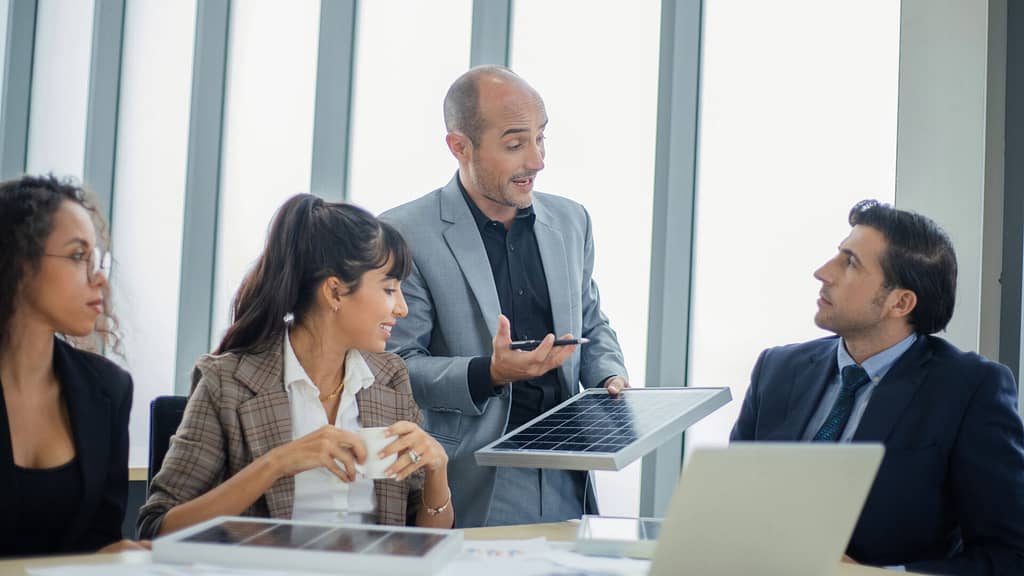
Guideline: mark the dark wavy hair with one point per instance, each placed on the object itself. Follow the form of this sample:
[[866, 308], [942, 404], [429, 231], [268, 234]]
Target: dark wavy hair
[[27, 206], [918, 257], [309, 241]]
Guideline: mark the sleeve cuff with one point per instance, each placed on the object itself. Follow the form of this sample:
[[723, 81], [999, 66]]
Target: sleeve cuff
[[479, 374]]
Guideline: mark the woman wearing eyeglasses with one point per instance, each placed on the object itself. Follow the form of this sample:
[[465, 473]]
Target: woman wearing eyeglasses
[[63, 410]]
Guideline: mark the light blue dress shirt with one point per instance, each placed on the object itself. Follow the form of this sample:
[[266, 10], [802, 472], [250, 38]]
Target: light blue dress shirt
[[876, 366]]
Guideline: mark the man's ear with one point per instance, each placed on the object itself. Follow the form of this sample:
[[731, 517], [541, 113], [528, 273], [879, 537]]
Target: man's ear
[[460, 146], [902, 302]]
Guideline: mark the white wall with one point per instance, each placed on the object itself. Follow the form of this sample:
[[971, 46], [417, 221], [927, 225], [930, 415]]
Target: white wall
[[942, 152]]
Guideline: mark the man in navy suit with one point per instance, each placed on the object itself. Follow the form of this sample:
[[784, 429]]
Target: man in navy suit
[[949, 496]]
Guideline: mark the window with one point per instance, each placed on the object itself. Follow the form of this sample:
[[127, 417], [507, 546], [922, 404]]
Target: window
[[408, 53], [60, 88], [792, 134], [601, 98], [268, 131], [149, 196]]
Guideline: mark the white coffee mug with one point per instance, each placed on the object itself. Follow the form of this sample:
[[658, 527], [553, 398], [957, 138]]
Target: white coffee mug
[[374, 440]]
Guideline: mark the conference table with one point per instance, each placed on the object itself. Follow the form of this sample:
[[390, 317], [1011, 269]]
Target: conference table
[[557, 532]]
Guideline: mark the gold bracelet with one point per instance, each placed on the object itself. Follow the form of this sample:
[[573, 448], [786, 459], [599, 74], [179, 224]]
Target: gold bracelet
[[435, 511]]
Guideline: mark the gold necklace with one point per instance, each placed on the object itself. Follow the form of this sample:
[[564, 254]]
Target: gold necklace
[[335, 394]]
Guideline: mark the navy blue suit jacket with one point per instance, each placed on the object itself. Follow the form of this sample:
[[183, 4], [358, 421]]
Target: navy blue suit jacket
[[949, 496], [99, 399]]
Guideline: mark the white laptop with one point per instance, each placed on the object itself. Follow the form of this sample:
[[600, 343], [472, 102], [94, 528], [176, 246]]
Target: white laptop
[[765, 509]]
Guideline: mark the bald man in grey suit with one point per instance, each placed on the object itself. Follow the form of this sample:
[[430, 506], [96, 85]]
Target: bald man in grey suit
[[494, 260]]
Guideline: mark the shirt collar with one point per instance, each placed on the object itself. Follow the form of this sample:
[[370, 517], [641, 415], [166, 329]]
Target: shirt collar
[[523, 215], [878, 365], [357, 371]]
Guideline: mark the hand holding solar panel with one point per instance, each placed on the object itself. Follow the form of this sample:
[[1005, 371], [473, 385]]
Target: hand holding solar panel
[[509, 365], [615, 384]]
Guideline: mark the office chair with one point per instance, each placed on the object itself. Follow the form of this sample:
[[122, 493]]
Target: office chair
[[165, 414]]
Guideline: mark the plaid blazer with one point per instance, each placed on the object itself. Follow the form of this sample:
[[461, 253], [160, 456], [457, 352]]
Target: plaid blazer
[[238, 410]]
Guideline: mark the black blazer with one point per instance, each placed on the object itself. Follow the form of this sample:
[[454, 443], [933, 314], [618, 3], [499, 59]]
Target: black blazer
[[949, 496], [99, 399]]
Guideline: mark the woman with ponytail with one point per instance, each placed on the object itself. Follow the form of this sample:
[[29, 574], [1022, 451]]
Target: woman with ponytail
[[273, 419]]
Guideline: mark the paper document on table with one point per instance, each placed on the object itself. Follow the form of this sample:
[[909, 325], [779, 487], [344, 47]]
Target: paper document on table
[[503, 548], [536, 557]]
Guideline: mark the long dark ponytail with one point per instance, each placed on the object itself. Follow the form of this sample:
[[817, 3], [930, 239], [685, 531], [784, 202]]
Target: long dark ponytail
[[309, 241]]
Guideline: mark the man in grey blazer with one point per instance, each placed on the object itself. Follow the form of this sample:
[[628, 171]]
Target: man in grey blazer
[[495, 261]]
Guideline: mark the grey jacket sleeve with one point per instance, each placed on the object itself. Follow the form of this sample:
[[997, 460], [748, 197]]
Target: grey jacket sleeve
[[439, 383], [602, 357]]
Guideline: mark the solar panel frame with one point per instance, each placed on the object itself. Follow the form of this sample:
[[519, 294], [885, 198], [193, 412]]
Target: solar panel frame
[[268, 543], [607, 450]]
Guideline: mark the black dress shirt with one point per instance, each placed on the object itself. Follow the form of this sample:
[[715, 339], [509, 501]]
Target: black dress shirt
[[523, 294], [47, 502]]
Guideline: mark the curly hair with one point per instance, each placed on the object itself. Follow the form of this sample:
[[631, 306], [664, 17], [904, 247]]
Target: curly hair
[[27, 206]]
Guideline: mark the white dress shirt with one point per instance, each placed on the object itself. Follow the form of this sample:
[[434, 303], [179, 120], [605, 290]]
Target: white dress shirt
[[319, 495]]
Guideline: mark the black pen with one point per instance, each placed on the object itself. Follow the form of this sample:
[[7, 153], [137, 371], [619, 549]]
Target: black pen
[[531, 344]]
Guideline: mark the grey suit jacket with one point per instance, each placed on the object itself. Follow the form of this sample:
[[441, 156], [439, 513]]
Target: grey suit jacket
[[453, 316]]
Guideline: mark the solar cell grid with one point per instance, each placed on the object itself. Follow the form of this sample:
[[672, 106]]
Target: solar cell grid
[[307, 546], [597, 431]]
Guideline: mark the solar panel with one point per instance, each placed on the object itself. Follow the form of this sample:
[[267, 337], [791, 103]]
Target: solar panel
[[291, 545], [597, 431]]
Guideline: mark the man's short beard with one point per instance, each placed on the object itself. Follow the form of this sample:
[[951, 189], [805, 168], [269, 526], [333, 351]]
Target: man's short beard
[[847, 330], [495, 196], [499, 199]]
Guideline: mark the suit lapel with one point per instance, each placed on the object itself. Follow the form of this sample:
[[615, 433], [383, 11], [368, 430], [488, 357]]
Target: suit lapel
[[463, 239], [556, 270], [805, 392], [892, 395], [266, 419], [379, 405], [90, 412]]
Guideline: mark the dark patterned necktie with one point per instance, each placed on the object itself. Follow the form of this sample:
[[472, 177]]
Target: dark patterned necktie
[[853, 378]]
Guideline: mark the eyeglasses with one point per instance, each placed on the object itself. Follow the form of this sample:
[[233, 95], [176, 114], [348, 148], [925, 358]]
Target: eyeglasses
[[95, 260]]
